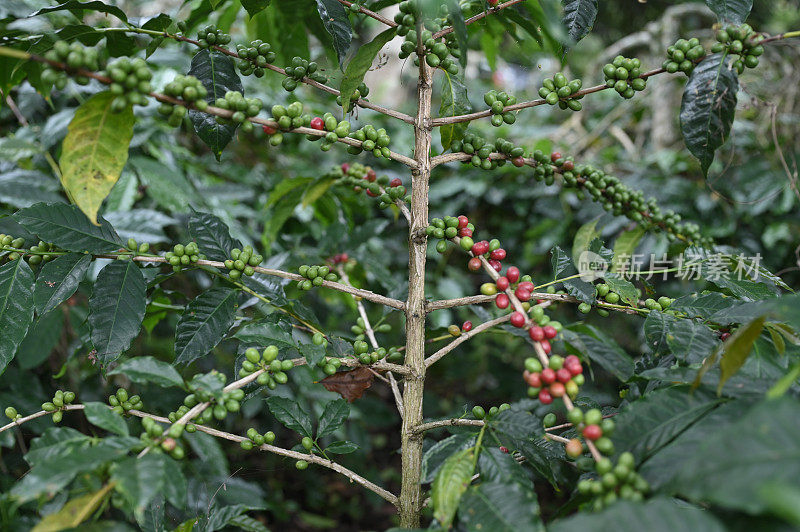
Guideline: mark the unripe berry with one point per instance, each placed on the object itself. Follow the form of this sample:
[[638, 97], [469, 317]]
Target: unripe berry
[[557, 389], [573, 448]]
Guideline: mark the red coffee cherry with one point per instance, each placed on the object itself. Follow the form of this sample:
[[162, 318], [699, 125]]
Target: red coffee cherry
[[527, 285], [498, 254], [522, 294], [396, 182], [371, 194], [518, 161], [467, 326], [534, 380], [496, 265], [513, 274], [564, 375], [545, 397], [493, 2], [501, 301], [317, 123], [503, 449], [592, 432], [536, 333], [271, 131], [568, 166], [548, 376], [502, 283], [572, 359], [724, 336], [546, 346], [465, 231], [371, 175], [557, 389], [474, 264], [550, 332], [556, 155], [462, 221], [345, 166], [517, 319]]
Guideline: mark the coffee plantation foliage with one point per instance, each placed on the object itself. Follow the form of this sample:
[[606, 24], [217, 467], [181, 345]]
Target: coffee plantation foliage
[[325, 265]]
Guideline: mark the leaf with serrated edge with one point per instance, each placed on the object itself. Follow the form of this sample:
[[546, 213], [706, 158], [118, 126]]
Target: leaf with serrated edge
[[735, 11], [68, 228], [58, 280], [337, 23], [212, 236], [333, 416], [290, 414], [203, 324]]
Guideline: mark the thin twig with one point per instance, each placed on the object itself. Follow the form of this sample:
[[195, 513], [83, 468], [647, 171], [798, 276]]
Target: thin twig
[[373, 14], [464, 337], [457, 422], [477, 17]]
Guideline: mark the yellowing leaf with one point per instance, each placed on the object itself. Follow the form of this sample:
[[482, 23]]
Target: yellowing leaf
[[450, 483], [94, 152], [74, 512]]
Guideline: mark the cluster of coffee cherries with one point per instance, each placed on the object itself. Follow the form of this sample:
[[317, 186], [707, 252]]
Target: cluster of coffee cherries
[[742, 41], [360, 328], [186, 88], [614, 482], [361, 92], [437, 53], [388, 191], [328, 365], [450, 227], [211, 36], [562, 376], [287, 118], [558, 90], [299, 69], [243, 262], [315, 276], [75, 56], [479, 148], [182, 255], [481, 413], [12, 414], [256, 439], [230, 401], [372, 140], [40, 253], [497, 101], [130, 82], [243, 108], [362, 352], [615, 197], [154, 438], [266, 360], [254, 58], [121, 402], [592, 427], [8, 241], [336, 130], [683, 56], [57, 403], [623, 75]]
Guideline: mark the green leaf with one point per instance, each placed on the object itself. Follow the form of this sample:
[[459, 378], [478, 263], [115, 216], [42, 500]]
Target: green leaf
[[140, 480], [627, 292], [729, 465], [264, 333], [254, 7], [737, 348], [782, 500], [435, 456], [217, 73], [65, 226], [562, 268], [360, 64], [624, 247], [337, 23], [784, 383], [703, 305], [500, 507], [58, 280], [149, 369], [204, 322], [75, 512], [495, 465], [100, 415], [116, 308], [75, 6], [708, 107], [212, 236], [95, 151], [341, 447], [733, 11], [656, 329], [655, 515], [290, 414], [579, 16], [452, 480], [16, 307], [40, 340], [333, 416], [691, 342], [584, 236], [601, 349], [454, 102], [313, 354], [651, 422], [460, 30], [208, 383]]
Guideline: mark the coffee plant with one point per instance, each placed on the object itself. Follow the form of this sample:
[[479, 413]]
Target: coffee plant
[[152, 330]]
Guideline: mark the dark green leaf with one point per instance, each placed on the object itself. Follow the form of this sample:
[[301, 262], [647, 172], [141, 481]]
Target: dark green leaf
[[454, 102], [140, 480], [290, 414], [579, 16], [75, 5], [708, 107], [212, 236], [460, 30], [16, 307], [116, 308], [337, 23], [655, 515], [333, 416], [734, 11], [208, 383], [627, 292], [254, 7], [68, 228], [624, 247], [58, 280], [174, 484], [218, 74], [434, 457], [656, 329], [360, 64], [450, 484], [149, 369], [100, 415], [204, 322], [341, 447], [649, 423], [702, 305], [40, 341], [562, 268], [160, 22], [264, 333], [495, 465], [500, 507], [601, 349], [690, 341]]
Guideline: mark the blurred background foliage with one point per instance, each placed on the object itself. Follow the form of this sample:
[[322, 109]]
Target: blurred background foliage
[[749, 202]]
